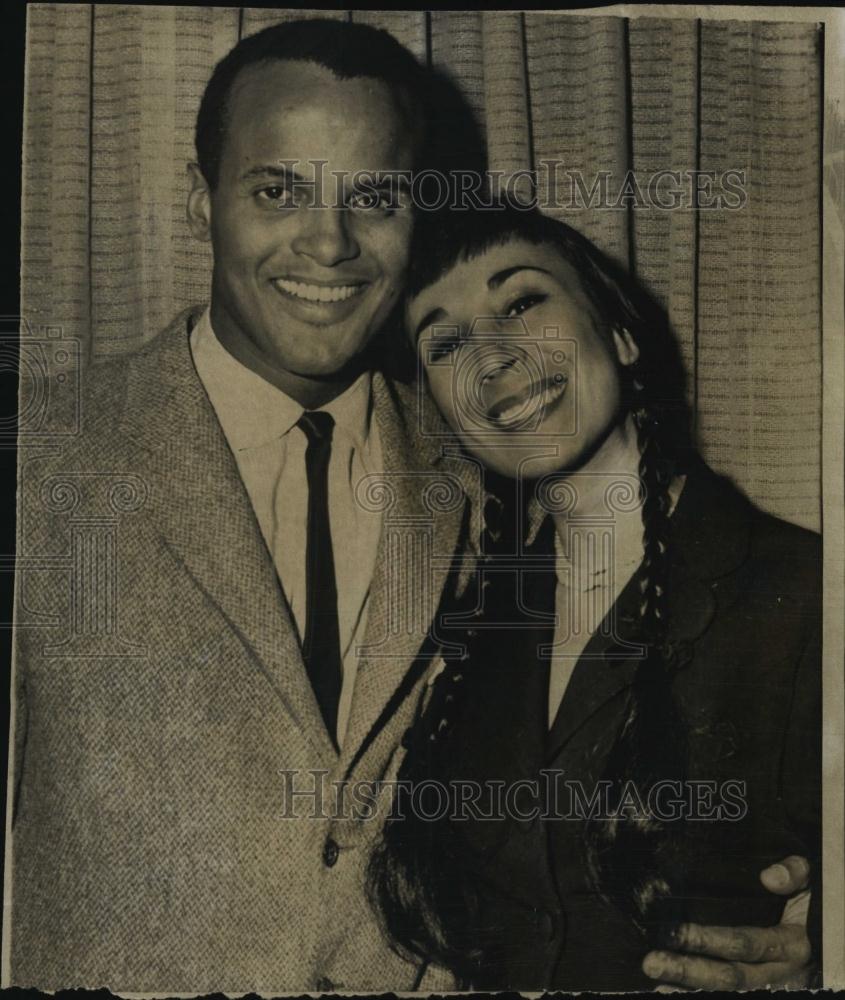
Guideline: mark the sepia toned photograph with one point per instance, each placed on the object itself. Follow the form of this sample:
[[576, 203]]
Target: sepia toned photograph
[[430, 519]]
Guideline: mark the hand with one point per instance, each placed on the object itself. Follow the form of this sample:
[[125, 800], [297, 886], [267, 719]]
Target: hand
[[740, 958]]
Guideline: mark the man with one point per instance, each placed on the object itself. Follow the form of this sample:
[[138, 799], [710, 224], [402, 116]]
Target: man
[[226, 621], [159, 840]]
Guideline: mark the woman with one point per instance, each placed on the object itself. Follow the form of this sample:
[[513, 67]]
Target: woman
[[634, 720]]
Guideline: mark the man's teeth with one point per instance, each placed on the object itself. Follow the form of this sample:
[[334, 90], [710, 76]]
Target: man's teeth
[[524, 410], [318, 293]]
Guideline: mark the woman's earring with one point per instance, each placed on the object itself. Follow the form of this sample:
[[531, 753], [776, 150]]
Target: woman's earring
[[636, 371]]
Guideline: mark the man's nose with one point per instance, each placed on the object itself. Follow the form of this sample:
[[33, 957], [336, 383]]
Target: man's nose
[[324, 235]]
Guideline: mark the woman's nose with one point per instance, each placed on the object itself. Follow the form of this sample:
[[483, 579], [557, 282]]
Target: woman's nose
[[506, 336], [501, 329], [324, 235], [498, 358]]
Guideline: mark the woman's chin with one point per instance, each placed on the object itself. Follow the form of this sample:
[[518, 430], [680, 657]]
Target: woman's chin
[[532, 460]]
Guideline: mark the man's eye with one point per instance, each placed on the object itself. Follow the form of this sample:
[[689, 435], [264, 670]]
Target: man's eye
[[524, 303], [276, 194], [367, 201]]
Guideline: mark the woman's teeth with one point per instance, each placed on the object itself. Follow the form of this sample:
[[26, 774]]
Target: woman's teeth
[[525, 409], [318, 293]]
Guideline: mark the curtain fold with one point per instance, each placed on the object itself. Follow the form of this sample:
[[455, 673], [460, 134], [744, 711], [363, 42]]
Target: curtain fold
[[579, 105], [759, 367], [664, 129], [112, 93]]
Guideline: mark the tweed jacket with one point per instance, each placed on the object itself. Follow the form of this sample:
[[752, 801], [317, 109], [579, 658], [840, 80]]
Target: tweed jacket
[[745, 615], [174, 828]]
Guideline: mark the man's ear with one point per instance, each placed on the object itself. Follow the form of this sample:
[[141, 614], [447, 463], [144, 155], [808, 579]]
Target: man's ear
[[199, 204], [626, 347]]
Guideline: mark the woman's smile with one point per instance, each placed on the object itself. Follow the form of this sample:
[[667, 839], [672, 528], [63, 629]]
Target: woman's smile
[[529, 405]]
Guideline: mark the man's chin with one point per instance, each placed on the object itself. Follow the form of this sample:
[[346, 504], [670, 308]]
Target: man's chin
[[327, 377], [334, 369]]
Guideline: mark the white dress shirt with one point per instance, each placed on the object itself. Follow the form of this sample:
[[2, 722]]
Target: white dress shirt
[[593, 565], [592, 568], [259, 422]]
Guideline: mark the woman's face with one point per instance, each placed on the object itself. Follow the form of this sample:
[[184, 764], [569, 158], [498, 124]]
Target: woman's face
[[517, 361]]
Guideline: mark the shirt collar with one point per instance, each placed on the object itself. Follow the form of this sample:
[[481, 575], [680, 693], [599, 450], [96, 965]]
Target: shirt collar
[[352, 410], [537, 514], [253, 412]]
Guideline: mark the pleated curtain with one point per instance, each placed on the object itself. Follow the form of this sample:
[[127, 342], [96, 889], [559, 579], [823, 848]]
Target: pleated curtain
[[112, 93]]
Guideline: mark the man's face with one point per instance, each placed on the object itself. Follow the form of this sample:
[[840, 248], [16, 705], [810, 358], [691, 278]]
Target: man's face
[[305, 287]]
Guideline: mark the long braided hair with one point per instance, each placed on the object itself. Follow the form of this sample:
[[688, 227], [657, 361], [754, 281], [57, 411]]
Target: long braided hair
[[417, 881], [633, 858]]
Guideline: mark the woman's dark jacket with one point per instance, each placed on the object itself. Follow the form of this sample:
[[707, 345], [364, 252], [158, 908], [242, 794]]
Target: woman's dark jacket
[[745, 615]]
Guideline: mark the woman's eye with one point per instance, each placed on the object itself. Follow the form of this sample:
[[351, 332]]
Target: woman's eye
[[437, 350], [524, 303]]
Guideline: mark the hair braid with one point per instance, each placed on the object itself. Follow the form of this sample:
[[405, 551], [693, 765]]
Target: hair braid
[[655, 477], [630, 856], [429, 910]]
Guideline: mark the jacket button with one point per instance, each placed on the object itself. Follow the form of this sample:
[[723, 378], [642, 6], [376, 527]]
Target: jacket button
[[330, 853], [324, 984]]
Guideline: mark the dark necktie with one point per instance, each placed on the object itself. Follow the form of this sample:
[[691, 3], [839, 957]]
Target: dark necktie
[[321, 643]]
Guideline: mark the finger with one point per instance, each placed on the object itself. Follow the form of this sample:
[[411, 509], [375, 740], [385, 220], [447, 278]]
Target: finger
[[789, 875], [783, 943], [797, 909], [694, 972]]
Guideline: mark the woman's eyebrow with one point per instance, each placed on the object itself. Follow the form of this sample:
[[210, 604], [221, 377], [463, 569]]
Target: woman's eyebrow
[[501, 276], [428, 319]]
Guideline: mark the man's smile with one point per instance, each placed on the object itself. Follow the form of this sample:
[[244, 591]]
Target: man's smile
[[321, 304], [312, 292]]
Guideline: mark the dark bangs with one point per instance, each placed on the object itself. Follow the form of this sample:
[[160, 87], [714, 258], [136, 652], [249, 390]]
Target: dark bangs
[[450, 237]]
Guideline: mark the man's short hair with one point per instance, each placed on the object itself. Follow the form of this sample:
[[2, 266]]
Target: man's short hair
[[349, 50]]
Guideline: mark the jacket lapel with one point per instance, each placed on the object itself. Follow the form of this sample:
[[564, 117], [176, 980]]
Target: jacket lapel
[[710, 531], [429, 498], [201, 510], [606, 667]]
